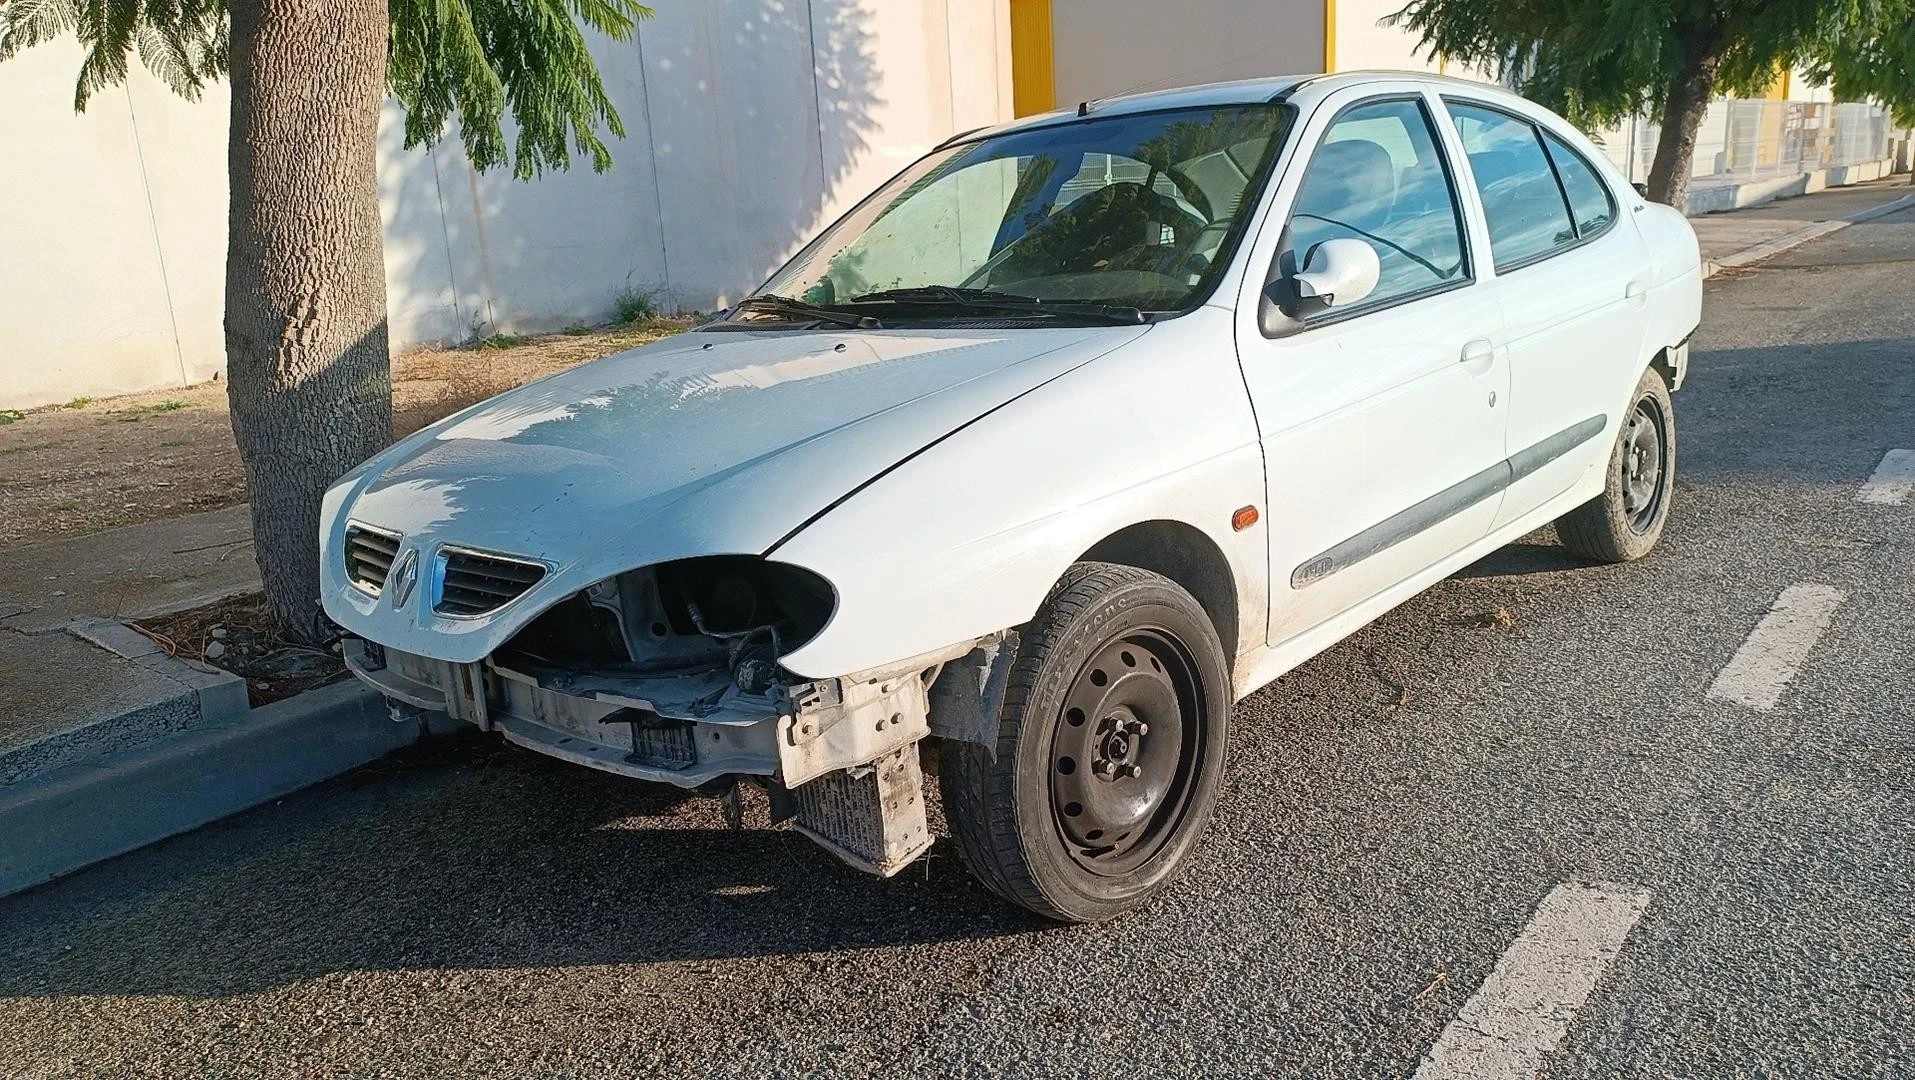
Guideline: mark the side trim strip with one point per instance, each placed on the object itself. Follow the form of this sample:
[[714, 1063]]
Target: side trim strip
[[1524, 462], [1445, 504]]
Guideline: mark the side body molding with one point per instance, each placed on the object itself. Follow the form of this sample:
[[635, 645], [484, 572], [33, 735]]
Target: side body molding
[[1452, 500]]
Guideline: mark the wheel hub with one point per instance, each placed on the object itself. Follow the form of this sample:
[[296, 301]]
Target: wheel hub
[[1120, 739], [1643, 460]]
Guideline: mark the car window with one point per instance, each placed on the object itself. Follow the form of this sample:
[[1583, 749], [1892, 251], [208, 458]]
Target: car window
[[1137, 210], [1100, 171], [942, 233], [1377, 177], [1522, 205], [1588, 196]]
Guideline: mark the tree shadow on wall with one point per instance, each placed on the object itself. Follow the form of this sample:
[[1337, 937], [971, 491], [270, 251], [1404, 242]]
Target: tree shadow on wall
[[745, 121]]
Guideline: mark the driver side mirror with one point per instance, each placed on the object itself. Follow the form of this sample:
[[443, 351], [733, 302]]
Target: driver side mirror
[[1337, 273]]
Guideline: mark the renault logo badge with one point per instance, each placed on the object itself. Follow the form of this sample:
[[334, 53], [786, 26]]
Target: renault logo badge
[[404, 576]]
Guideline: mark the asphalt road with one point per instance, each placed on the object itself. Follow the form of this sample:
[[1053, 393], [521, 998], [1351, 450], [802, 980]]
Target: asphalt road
[[1397, 809]]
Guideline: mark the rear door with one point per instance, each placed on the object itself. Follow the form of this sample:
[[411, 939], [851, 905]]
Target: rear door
[[1381, 422], [1570, 278]]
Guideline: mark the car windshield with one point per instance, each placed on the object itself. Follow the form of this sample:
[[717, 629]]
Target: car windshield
[[1090, 218]]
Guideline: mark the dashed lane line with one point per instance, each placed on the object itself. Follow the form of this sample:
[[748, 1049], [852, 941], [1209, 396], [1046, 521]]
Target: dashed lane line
[[1776, 649], [1892, 481], [1524, 1008]]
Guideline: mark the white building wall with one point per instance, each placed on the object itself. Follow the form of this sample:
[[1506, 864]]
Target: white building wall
[[1364, 41], [1102, 48], [750, 124], [112, 236]]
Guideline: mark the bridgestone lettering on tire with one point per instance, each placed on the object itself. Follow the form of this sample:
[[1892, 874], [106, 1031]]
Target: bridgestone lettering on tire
[[1110, 749]]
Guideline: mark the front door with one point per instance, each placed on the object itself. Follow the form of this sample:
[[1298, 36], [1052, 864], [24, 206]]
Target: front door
[[1381, 421]]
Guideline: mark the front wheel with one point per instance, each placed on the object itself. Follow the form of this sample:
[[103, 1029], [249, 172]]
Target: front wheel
[[1110, 749], [1626, 520]]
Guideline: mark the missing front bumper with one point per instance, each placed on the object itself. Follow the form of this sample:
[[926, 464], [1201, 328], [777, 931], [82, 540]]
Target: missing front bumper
[[845, 748]]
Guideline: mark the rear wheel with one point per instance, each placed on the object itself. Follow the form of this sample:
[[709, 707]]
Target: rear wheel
[[1626, 520], [1110, 749]]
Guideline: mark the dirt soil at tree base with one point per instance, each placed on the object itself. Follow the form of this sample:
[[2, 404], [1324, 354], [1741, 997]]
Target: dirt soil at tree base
[[237, 635], [92, 465]]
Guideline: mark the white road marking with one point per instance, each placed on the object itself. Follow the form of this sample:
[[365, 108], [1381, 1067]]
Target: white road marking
[[1525, 1006], [1894, 478], [1759, 671]]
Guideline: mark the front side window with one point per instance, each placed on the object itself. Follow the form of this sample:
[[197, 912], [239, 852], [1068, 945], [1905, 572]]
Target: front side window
[[1142, 211], [1378, 177], [1522, 205]]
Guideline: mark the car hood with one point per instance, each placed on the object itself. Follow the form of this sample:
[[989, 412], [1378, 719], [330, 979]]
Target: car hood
[[707, 443]]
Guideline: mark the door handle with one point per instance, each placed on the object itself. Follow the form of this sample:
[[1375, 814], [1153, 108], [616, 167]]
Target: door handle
[[1634, 290], [1478, 354]]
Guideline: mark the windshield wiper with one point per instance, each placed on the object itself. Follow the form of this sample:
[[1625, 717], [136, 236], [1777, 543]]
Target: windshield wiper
[[798, 309], [992, 300]]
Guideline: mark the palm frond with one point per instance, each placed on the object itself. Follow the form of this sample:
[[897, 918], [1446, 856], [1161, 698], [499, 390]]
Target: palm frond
[[477, 61], [26, 23]]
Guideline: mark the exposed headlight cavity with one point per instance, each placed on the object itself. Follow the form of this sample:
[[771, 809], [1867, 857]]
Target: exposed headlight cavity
[[684, 615]]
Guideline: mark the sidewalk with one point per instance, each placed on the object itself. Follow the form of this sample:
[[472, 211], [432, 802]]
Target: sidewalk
[[129, 573], [106, 742], [57, 682], [1731, 231]]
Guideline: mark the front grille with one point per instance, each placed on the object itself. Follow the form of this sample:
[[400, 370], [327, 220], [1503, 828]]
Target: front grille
[[474, 584], [369, 556]]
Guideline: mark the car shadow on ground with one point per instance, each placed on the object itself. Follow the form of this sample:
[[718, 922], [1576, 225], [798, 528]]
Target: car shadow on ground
[[464, 855], [1540, 553]]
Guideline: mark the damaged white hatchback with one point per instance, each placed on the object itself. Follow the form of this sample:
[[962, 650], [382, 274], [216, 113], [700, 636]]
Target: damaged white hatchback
[[1075, 433]]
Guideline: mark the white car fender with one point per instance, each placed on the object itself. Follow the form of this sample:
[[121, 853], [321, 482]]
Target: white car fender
[[1674, 302], [967, 537]]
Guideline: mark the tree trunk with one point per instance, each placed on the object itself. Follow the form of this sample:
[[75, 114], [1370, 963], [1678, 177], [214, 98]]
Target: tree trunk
[[1690, 92], [307, 368]]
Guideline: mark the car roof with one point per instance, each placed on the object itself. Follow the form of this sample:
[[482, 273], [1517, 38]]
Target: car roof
[[1240, 92]]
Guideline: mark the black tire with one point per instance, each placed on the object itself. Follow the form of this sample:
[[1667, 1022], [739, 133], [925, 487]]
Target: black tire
[[1028, 819], [1625, 521]]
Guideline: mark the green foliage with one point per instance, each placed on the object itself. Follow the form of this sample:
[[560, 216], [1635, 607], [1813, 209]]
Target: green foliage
[[169, 405], [183, 42], [631, 307], [1880, 67], [500, 341], [8, 416], [1598, 61], [469, 62], [79, 402]]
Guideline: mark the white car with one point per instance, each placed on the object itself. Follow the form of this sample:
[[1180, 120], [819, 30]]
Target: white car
[[1079, 430]]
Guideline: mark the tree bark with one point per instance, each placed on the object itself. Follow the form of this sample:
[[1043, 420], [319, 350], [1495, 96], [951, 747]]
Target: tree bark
[[1690, 92], [308, 372]]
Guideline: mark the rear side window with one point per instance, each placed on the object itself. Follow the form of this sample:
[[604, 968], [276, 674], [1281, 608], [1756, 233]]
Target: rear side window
[[1588, 198], [1522, 204]]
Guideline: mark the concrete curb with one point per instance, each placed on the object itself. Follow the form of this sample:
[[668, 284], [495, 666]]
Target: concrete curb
[[1716, 197], [222, 694], [84, 813], [1771, 248]]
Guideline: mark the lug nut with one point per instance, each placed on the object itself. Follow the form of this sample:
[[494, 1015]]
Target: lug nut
[[1128, 769]]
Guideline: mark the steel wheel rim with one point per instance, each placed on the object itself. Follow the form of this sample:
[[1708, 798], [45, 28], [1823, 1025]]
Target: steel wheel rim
[[1645, 462], [1127, 751]]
